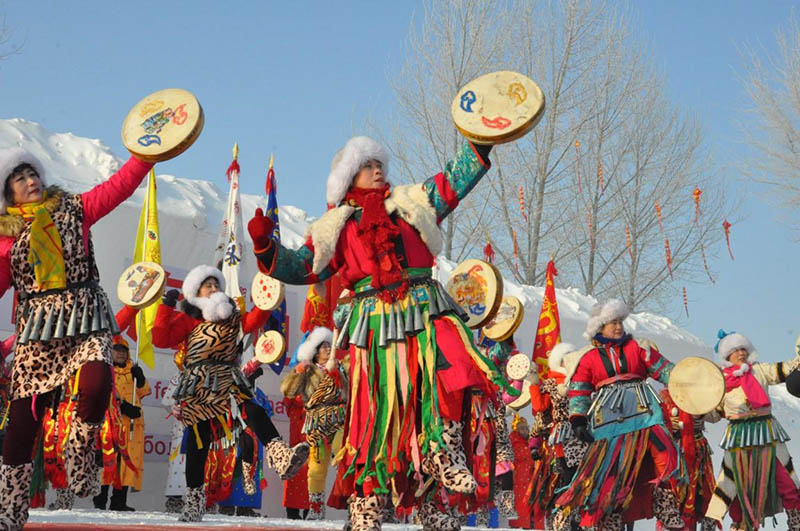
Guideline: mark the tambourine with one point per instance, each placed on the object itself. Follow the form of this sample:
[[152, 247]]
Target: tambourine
[[508, 318], [270, 347], [696, 385], [141, 284], [518, 366], [498, 107], [266, 291], [163, 125], [477, 287], [524, 397]]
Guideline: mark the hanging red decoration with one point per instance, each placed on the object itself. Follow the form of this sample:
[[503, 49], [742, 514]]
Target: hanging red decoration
[[488, 252], [658, 215], [628, 241], [591, 229], [516, 250], [727, 227], [600, 180], [696, 194], [705, 263], [669, 257], [578, 156], [685, 302], [521, 195]]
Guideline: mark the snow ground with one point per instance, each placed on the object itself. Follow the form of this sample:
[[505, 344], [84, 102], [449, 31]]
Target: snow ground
[[111, 518]]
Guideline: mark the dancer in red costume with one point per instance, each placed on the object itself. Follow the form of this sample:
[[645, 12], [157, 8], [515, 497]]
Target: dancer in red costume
[[413, 362], [63, 317], [611, 406]]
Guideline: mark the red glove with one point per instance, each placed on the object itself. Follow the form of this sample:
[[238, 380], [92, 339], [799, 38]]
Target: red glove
[[260, 229]]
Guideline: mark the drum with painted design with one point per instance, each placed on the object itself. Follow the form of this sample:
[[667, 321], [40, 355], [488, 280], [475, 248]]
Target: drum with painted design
[[266, 291], [477, 287], [270, 347], [508, 318], [498, 107], [141, 284], [163, 125]]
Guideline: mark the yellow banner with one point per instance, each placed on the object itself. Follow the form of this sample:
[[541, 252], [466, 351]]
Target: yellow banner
[[148, 249]]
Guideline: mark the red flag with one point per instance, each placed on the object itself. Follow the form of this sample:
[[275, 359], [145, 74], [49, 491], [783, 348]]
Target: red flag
[[548, 333]]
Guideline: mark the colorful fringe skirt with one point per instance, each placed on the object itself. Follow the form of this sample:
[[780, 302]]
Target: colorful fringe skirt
[[615, 470], [413, 363]]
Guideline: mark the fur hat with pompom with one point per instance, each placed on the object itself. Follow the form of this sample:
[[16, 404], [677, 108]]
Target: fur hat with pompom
[[602, 314], [10, 158], [195, 278], [308, 349], [728, 342], [348, 161]]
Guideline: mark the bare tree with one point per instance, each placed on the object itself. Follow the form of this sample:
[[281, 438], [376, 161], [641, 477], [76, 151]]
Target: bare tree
[[7, 48], [456, 42], [773, 85], [609, 146]]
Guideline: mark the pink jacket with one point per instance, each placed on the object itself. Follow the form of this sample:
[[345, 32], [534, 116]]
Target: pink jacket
[[97, 202]]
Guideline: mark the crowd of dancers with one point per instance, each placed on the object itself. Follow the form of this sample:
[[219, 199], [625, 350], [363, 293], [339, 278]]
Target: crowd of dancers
[[395, 393]]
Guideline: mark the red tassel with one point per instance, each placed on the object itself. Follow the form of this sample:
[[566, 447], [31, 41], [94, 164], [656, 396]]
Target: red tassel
[[727, 227], [488, 252], [628, 241], [685, 302], [600, 180], [591, 229], [234, 167], [705, 263], [696, 194], [669, 257], [521, 194], [658, 214], [516, 250]]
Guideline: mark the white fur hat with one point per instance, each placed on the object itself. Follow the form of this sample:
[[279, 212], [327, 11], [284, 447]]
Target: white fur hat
[[10, 158], [555, 361], [308, 349], [729, 342], [348, 161], [195, 278], [602, 314]]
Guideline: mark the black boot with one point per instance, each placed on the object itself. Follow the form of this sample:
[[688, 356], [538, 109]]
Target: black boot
[[119, 500], [101, 499]]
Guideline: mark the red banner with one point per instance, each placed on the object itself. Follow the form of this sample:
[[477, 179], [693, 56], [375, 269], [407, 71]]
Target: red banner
[[548, 333]]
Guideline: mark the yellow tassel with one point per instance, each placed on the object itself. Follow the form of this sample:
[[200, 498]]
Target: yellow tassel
[[197, 437], [5, 417], [228, 434], [77, 378]]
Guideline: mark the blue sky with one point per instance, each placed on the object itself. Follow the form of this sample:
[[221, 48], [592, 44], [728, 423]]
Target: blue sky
[[298, 78]]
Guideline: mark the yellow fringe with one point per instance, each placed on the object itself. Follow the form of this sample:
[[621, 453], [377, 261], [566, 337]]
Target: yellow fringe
[[228, 434], [197, 437]]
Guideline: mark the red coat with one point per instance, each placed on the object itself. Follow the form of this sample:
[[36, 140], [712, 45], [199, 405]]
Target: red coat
[[600, 364], [523, 465], [295, 490], [172, 327]]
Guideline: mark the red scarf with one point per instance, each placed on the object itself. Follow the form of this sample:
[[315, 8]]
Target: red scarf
[[756, 396], [377, 233]]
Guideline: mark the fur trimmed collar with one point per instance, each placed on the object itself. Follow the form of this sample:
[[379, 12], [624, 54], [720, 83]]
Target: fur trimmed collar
[[216, 308], [11, 225], [411, 204]]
